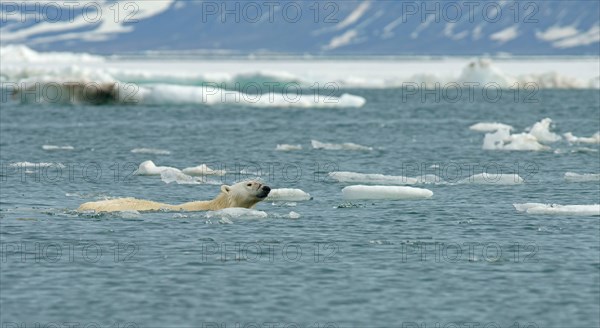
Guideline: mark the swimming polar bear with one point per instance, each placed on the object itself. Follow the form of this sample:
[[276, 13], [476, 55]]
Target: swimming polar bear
[[244, 194]]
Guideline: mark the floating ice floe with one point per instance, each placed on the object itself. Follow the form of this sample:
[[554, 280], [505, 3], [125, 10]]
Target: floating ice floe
[[539, 133], [288, 195], [544, 73], [226, 215], [168, 94], [170, 176], [53, 147], [354, 177], [235, 212], [344, 146], [495, 179], [587, 177], [149, 168], [286, 147], [293, 215], [202, 170], [503, 140], [594, 139], [359, 192], [554, 209], [152, 151], [490, 127]]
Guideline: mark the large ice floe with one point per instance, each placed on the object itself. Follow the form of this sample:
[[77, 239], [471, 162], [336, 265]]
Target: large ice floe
[[490, 127], [149, 168], [535, 138], [501, 138], [594, 139], [19, 61], [497, 179], [555, 209], [288, 195], [587, 177], [362, 192], [157, 82]]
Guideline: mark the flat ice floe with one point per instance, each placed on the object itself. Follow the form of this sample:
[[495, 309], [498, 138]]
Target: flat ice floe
[[343, 146], [19, 61], [202, 170], [149, 168], [361, 192], [168, 94], [587, 177], [286, 147], [56, 148], [152, 151], [374, 178], [288, 195], [225, 215], [490, 127], [594, 139], [235, 213], [555, 209], [190, 175], [494, 179]]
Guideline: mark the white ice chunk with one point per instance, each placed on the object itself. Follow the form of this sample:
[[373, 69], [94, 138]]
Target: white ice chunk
[[587, 177], [344, 146], [503, 140], [149, 168], [499, 179], [288, 195], [202, 170], [235, 213], [554, 209], [490, 127], [53, 147], [358, 192], [286, 147], [541, 131], [594, 139]]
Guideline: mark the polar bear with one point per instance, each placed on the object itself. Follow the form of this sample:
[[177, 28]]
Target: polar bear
[[244, 194]]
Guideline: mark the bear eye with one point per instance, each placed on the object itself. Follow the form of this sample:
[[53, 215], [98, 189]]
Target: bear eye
[[249, 185]]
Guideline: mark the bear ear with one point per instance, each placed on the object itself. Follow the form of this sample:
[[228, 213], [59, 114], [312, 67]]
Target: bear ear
[[225, 188]]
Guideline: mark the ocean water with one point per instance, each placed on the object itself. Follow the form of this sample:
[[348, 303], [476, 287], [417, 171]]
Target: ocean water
[[463, 257]]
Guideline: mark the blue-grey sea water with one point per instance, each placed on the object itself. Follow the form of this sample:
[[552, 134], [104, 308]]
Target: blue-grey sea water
[[463, 258]]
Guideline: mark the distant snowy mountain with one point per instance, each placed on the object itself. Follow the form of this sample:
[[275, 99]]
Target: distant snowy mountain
[[306, 27]]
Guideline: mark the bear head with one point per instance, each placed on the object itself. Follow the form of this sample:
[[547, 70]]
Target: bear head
[[246, 193]]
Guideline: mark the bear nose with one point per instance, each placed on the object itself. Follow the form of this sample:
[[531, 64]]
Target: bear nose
[[266, 188]]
